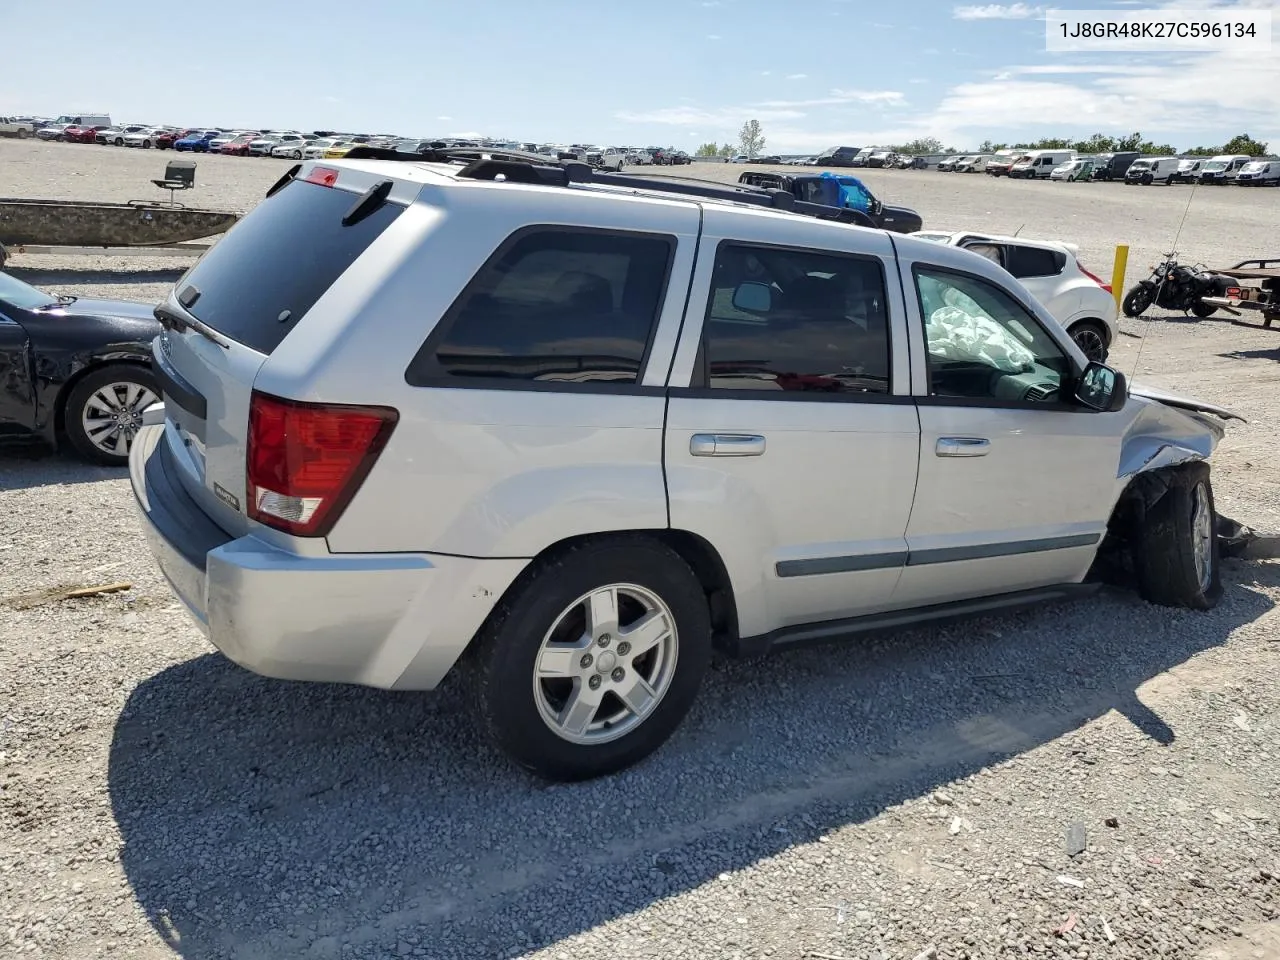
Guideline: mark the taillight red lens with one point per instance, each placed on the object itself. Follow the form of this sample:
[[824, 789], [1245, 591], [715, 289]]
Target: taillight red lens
[[1233, 293], [1097, 280], [307, 460], [324, 176]]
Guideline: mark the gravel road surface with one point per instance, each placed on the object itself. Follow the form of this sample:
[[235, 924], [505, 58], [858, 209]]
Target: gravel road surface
[[1096, 780]]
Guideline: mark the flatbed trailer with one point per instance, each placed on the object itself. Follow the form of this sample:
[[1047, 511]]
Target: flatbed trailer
[[1264, 297]]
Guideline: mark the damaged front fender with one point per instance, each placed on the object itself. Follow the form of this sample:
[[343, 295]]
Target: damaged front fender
[[1163, 435]]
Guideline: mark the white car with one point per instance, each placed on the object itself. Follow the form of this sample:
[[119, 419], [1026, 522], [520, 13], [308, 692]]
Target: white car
[[217, 143], [620, 429], [316, 148], [1082, 303], [144, 138], [290, 146]]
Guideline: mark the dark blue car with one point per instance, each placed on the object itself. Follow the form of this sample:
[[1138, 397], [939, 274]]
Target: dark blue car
[[196, 143]]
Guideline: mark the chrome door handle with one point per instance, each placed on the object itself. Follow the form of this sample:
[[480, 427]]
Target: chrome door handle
[[962, 447], [726, 445]]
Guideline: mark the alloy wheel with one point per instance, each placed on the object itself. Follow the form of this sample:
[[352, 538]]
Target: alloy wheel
[[112, 416], [1091, 344], [605, 664]]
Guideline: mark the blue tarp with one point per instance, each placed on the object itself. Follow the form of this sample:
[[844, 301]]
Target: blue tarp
[[852, 193]]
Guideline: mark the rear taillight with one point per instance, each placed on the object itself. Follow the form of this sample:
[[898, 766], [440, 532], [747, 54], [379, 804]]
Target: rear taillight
[[1097, 280], [307, 460], [1233, 293]]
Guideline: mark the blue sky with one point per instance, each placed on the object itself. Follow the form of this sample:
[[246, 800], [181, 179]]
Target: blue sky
[[655, 73]]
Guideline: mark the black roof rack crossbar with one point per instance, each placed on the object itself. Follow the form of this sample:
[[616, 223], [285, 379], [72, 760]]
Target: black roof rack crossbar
[[518, 166]]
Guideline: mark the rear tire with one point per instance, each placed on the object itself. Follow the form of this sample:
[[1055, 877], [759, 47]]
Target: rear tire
[[527, 706], [1176, 557], [1091, 338], [120, 390]]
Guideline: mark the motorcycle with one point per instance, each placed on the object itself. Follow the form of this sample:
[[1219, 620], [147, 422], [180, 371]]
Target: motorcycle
[[1176, 286]]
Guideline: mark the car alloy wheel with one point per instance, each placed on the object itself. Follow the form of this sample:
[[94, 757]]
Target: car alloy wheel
[[112, 415], [1090, 341], [605, 664]]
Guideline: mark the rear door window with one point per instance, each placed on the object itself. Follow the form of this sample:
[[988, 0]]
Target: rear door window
[[262, 277], [553, 305]]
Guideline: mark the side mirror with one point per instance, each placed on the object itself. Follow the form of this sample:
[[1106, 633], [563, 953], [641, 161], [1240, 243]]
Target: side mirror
[[752, 297], [1101, 388]]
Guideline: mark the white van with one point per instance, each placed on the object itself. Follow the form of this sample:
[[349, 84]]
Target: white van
[[976, 164], [1223, 169], [84, 120], [1259, 173], [1039, 164], [1188, 170], [1148, 170]]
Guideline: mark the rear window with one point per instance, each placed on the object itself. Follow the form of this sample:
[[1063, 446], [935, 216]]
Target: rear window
[[1035, 261], [272, 266]]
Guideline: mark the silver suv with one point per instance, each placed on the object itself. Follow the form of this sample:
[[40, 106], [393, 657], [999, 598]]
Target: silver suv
[[584, 428]]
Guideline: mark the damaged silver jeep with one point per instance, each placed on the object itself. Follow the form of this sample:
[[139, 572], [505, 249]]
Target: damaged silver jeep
[[584, 427]]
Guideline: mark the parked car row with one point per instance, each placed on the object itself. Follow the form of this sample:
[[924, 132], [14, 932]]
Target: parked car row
[[1129, 167]]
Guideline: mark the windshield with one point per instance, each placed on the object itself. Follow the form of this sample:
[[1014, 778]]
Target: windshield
[[22, 295], [1140, 165], [1253, 167], [1215, 165]]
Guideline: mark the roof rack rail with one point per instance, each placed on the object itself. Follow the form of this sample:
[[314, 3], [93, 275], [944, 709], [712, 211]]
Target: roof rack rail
[[521, 167]]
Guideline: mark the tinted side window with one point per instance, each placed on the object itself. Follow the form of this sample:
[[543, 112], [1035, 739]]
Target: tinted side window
[[1034, 261], [572, 306], [983, 344], [795, 320]]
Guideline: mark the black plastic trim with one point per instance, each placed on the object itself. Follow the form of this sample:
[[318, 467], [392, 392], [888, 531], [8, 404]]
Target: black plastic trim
[[425, 371], [172, 511], [788, 396], [831, 630], [986, 551], [818, 566], [175, 387]]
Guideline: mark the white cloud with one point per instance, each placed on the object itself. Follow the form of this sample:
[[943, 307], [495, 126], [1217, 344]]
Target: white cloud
[[713, 36], [997, 11], [797, 76], [444, 118], [1187, 98], [766, 73]]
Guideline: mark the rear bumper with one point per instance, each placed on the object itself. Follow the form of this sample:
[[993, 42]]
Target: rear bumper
[[396, 621]]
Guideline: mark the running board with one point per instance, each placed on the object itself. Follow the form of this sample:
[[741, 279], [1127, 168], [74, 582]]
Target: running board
[[811, 634]]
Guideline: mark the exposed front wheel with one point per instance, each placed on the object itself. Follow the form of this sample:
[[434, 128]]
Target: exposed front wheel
[[594, 658], [103, 412], [1136, 301], [1091, 338], [1176, 554]]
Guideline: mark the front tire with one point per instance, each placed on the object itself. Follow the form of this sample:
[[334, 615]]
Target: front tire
[[103, 412], [1176, 556], [1136, 301], [594, 657]]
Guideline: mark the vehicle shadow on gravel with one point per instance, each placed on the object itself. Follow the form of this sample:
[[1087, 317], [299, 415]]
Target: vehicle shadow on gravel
[[24, 465], [271, 819]]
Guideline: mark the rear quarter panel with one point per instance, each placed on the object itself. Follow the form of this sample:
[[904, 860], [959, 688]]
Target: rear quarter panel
[[476, 471]]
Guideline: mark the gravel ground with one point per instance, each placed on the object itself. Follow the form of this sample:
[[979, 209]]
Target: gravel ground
[[915, 796]]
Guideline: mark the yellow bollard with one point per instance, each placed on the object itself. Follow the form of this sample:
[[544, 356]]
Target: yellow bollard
[[1117, 274]]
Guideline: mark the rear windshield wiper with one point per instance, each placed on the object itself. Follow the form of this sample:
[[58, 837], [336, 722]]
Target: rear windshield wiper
[[170, 319], [369, 201]]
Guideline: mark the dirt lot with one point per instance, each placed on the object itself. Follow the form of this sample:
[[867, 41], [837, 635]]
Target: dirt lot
[[896, 799]]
